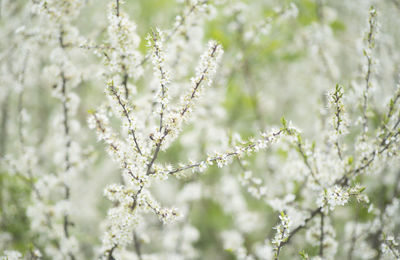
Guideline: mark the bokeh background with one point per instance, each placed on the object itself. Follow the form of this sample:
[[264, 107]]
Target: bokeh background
[[281, 58]]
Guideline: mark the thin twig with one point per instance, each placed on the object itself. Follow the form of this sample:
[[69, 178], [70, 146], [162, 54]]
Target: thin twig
[[321, 237]]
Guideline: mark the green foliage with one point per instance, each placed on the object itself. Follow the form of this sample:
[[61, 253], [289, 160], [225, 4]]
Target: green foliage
[[14, 198]]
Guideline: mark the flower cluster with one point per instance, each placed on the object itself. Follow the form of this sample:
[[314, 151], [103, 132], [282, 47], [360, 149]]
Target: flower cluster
[[282, 233]]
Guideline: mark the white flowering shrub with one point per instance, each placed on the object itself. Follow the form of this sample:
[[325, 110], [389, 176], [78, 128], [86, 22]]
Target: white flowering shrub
[[198, 129]]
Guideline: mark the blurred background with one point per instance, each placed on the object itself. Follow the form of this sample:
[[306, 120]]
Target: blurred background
[[281, 58]]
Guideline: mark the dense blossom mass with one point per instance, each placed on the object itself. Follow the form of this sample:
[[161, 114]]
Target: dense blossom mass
[[199, 129]]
